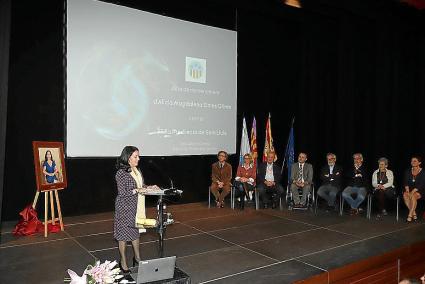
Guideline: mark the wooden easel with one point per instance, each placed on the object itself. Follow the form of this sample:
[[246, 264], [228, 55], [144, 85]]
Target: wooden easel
[[53, 219]]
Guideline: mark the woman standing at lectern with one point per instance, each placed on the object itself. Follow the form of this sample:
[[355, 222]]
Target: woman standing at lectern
[[129, 181]]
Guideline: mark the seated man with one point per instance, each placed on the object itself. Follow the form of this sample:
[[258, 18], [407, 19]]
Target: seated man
[[221, 176], [357, 184], [331, 181], [268, 181], [301, 178]]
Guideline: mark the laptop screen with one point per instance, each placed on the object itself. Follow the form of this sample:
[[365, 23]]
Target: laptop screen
[[155, 269]]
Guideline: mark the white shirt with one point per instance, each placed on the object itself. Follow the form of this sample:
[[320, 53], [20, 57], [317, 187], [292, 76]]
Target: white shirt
[[269, 173], [331, 169]]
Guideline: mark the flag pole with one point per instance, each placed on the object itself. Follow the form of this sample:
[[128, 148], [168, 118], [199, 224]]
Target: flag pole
[[287, 143]]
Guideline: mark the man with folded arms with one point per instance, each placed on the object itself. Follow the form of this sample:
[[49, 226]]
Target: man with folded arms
[[356, 191], [331, 181]]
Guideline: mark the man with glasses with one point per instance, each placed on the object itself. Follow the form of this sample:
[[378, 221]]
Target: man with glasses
[[331, 181], [355, 193], [221, 176]]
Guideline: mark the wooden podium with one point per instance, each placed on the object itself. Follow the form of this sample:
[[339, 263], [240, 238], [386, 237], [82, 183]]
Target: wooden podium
[[53, 218]]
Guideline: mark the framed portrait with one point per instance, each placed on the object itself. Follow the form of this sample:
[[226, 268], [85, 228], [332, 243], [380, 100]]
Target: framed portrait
[[49, 165]]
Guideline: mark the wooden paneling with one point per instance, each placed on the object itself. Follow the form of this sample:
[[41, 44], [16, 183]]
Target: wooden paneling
[[381, 269]]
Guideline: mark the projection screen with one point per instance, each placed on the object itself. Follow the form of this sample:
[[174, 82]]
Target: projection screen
[[165, 85]]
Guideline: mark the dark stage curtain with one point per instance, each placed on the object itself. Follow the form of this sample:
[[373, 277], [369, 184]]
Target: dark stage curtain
[[4, 74], [354, 80], [351, 72]]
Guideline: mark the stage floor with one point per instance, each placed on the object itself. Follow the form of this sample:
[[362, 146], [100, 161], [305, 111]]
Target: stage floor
[[213, 245]]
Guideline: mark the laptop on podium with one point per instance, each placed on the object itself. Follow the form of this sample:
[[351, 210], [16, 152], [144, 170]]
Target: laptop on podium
[[155, 270]]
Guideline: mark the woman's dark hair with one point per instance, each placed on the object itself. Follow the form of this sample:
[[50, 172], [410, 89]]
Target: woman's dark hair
[[122, 161], [51, 156], [417, 157]]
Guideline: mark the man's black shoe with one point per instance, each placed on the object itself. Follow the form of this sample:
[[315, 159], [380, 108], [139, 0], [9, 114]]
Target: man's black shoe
[[241, 204]]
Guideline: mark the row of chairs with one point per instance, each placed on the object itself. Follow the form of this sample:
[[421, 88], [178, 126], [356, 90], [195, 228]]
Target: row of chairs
[[369, 204], [288, 199], [312, 201]]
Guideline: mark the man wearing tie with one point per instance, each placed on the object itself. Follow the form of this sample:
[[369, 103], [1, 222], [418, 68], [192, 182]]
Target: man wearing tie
[[301, 178], [268, 181], [221, 176], [331, 180]]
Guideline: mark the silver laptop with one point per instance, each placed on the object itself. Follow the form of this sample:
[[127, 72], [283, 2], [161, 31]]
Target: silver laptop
[[155, 269]]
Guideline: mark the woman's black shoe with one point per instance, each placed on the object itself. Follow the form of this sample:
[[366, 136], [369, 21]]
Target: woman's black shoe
[[241, 204], [122, 269]]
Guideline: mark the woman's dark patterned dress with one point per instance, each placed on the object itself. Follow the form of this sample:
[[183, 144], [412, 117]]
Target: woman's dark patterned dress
[[125, 208]]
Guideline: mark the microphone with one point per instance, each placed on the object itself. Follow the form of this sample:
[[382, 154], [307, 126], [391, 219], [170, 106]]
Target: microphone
[[159, 170]]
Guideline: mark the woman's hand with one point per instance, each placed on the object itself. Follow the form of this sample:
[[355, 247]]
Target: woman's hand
[[153, 187]]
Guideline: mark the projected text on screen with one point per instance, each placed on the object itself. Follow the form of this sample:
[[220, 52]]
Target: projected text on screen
[[134, 78]]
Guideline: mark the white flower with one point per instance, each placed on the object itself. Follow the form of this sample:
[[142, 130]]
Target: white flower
[[102, 273], [75, 279]]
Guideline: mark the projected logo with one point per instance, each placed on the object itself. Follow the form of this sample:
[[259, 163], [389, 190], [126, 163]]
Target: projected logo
[[196, 70]]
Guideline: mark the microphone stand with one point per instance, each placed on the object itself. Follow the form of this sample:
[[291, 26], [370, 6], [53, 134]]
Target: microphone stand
[[160, 208], [161, 227]]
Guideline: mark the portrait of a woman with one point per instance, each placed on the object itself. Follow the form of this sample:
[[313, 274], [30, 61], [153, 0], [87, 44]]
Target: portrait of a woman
[[49, 168]]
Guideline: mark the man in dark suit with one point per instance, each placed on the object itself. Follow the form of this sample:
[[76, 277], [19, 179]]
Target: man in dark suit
[[221, 178], [331, 176], [301, 178], [356, 191], [268, 181]]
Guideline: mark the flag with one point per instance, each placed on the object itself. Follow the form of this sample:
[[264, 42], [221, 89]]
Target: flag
[[268, 145], [244, 143], [254, 152], [290, 151]]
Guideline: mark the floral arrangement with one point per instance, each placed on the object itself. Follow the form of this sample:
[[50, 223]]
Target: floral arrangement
[[99, 273]]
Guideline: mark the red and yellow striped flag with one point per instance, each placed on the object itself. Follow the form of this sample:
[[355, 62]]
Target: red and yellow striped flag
[[253, 143], [268, 145]]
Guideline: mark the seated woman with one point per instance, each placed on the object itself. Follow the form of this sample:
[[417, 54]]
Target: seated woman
[[414, 187], [383, 185], [245, 180]]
